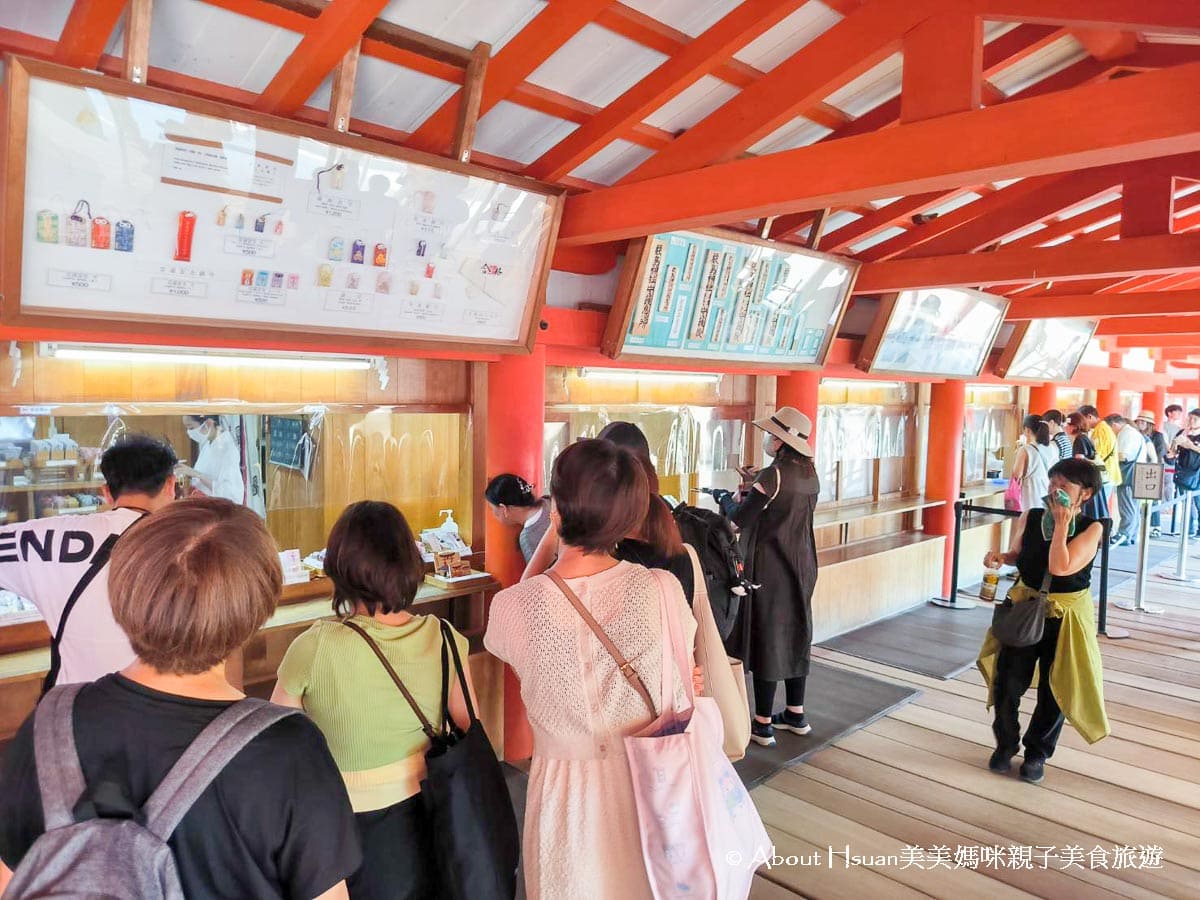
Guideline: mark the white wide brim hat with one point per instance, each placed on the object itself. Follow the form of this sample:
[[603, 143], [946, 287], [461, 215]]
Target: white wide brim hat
[[791, 426]]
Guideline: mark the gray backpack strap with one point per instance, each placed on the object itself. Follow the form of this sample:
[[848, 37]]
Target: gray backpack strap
[[60, 777], [213, 748]]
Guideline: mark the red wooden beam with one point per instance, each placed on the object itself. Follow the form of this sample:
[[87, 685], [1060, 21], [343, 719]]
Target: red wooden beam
[[339, 27], [1068, 226], [1118, 121], [1084, 306], [1069, 262], [1147, 205], [835, 58], [696, 59], [1146, 325], [556, 24], [1144, 15], [85, 35], [986, 220], [1184, 340], [943, 66], [1106, 44]]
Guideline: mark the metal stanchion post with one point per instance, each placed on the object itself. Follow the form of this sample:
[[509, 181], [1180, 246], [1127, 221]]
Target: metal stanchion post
[[1180, 573], [1143, 564], [954, 601], [1102, 627]]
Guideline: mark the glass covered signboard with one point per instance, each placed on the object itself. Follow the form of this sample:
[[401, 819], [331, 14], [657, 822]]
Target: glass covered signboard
[[941, 332], [1045, 350], [137, 210], [710, 295]]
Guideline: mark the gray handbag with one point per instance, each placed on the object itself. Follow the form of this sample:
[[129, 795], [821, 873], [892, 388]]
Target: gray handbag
[[1022, 624]]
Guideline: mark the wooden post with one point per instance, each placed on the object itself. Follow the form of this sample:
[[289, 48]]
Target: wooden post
[[817, 230], [341, 98], [516, 414], [1042, 397], [943, 472], [136, 65], [468, 108]]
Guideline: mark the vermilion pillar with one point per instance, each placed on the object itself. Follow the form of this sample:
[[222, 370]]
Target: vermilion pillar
[[1108, 401], [1042, 398], [800, 390], [1154, 402], [516, 413], [943, 473]]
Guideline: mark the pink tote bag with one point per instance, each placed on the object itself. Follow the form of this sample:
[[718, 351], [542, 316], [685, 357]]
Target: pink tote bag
[[701, 835]]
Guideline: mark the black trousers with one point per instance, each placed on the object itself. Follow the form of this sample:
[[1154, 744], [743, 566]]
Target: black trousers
[[764, 694], [398, 855], [1014, 674]]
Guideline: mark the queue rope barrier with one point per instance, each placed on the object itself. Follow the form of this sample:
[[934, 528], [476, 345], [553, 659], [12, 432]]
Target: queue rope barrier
[[963, 506]]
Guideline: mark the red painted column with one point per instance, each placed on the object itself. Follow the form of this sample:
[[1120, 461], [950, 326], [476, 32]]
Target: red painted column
[[516, 400], [1043, 397], [943, 471], [1108, 400], [1155, 402], [800, 390]]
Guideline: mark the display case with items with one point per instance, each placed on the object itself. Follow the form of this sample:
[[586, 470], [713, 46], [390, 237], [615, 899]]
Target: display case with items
[[297, 467]]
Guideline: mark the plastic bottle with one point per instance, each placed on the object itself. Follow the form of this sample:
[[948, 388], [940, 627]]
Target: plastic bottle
[[991, 579], [448, 524]]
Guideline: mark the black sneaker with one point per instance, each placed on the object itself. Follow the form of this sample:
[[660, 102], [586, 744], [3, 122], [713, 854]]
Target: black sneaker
[[1001, 761], [790, 721], [1033, 770], [762, 733]]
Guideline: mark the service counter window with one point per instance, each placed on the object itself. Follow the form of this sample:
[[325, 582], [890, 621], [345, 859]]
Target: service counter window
[[865, 440], [991, 426], [1068, 399], [297, 467], [696, 425]]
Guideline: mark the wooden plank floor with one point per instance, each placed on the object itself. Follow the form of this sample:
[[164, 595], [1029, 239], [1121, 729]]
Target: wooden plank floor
[[918, 778]]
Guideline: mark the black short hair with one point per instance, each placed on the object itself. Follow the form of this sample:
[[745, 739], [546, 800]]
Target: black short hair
[[1053, 415], [1194, 412], [371, 557], [1173, 408], [1089, 412], [1082, 472], [510, 490], [1041, 431], [137, 464], [204, 417], [627, 435], [1115, 419]]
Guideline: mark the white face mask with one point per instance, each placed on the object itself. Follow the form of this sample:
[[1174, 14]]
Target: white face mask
[[199, 435]]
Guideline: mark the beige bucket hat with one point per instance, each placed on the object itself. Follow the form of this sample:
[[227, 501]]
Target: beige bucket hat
[[791, 426]]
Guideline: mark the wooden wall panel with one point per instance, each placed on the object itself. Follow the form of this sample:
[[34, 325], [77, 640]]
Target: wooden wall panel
[[860, 591]]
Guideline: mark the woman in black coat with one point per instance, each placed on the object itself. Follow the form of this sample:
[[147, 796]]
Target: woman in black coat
[[775, 515]]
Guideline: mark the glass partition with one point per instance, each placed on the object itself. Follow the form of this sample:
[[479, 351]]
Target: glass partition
[[298, 468]]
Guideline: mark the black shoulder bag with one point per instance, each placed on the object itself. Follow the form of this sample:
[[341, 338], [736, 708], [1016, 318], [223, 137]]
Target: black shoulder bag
[[99, 561], [472, 823], [1022, 624]]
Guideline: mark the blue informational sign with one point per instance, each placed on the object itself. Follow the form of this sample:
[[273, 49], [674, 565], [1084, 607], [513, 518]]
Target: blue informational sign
[[707, 296]]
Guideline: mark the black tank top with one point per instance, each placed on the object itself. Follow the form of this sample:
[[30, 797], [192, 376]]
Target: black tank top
[[1035, 556]]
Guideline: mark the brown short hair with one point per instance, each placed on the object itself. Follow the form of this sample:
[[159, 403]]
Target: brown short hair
[[193, 582], [601, 494], [371, 557]]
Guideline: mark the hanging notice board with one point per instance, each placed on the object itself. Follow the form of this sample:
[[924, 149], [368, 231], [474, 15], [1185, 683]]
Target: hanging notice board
[[1046, 350], [942, 332], [135, 205], [708, 295]]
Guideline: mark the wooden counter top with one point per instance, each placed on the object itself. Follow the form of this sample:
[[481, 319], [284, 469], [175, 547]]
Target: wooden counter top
[[835, 556], [895, 506]]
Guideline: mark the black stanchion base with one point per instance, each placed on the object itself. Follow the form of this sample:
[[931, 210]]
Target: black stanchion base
[[954, 603]]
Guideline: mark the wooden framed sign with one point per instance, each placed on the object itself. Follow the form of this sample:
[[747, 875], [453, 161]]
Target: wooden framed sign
[[710, 295], [134, 205], [942, 332], [1045, 350]]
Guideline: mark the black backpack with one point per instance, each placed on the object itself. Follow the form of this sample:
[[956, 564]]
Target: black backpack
[[712, 537], [1187, 469]]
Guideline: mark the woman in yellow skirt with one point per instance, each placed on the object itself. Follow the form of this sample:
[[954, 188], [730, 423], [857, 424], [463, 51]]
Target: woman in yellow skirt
[[1056, 537]]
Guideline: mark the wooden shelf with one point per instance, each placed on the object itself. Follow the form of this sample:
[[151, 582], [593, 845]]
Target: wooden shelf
[[322, 589], [834, 556], [843, 514], [51, 486]]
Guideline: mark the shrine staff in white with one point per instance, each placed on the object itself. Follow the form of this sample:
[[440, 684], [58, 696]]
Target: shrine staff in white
[[218, 468]]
